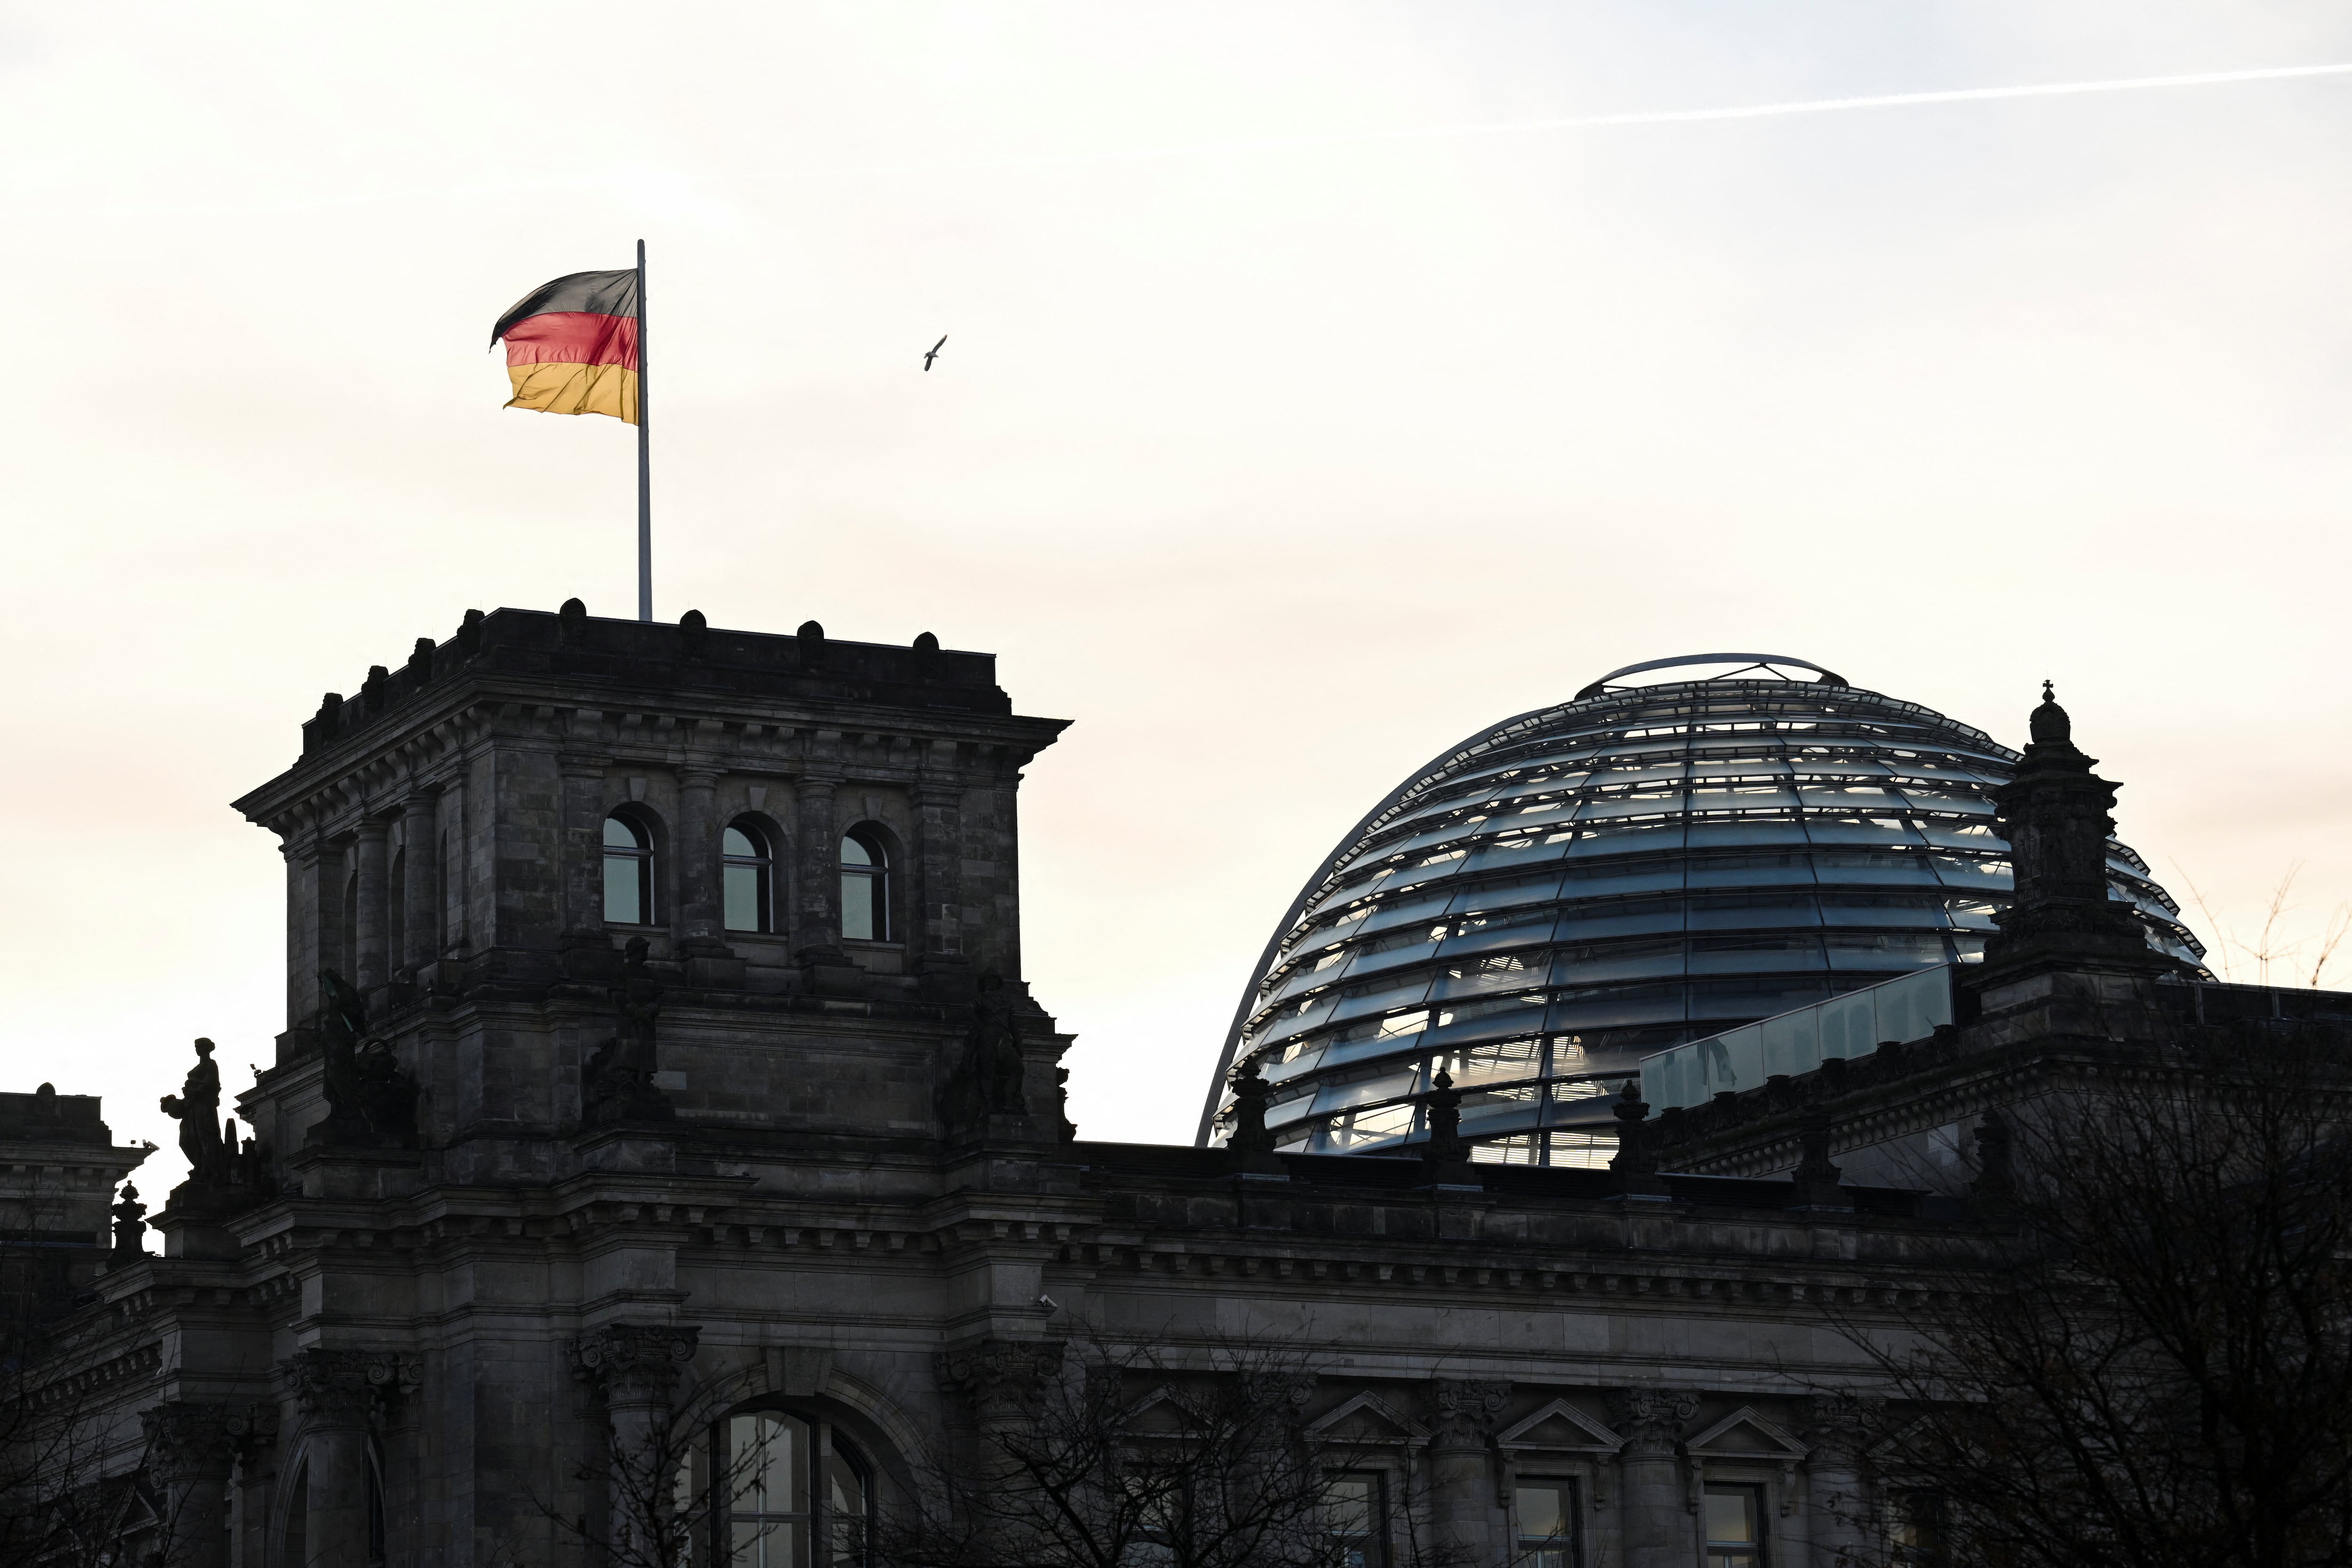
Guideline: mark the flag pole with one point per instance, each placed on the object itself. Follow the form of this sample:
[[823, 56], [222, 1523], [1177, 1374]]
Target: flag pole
[[645, 451]]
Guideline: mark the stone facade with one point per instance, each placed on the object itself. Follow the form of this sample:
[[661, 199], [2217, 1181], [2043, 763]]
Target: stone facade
[[58, 1170], [526, 1183]]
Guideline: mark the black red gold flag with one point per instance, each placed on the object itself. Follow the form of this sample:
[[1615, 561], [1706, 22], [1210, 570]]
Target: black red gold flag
[[573, 345]]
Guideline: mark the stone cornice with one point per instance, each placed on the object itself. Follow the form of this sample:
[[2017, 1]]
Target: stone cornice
[[1894, 1092], [432, 737]]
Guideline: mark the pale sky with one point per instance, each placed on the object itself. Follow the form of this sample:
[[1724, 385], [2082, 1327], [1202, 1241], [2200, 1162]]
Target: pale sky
[[1278, 459]]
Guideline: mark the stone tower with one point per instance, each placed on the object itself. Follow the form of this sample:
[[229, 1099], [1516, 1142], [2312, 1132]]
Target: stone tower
[[455, 836], [596, 931]]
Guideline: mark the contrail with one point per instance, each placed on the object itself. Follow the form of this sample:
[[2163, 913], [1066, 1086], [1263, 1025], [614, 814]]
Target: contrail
[[1592, 121], [1889, 101], [1277, 143]]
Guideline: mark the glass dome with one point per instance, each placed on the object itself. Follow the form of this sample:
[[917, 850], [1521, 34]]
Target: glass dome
[[1582, 885]]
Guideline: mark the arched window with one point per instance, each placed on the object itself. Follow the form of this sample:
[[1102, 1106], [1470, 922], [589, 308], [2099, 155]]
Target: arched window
[[865, 888], [747, 877], [783, 1492], [628, 871]]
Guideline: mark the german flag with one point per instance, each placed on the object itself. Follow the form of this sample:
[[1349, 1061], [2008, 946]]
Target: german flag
[[571, 345]]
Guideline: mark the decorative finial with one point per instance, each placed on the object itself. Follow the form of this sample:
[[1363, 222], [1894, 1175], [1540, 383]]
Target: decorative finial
[[2050, 726]]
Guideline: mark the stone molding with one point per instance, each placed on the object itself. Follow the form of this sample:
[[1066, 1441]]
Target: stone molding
[[998, 1375], [1292, 1391], [344, 1388], [189, 1441], [1838, 1426], [255, 1426], [635, 1364], [1652, 1419], [1466, 1412]]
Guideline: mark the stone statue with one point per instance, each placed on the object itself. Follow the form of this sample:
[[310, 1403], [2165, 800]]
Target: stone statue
[[342, 1021], [988, 1075], [370, 1101], [993, 1048], [194, 1107], [129, 1224], [618, 1081]]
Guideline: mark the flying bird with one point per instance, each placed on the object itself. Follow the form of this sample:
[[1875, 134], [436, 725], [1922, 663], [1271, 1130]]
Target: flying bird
[[935, 350]]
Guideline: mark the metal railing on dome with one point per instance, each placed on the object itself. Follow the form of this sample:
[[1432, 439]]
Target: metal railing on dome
[[1798, 1041]]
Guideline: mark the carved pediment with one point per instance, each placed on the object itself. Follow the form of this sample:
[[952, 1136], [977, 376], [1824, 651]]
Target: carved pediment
[[1745, 1435], [1159, 1414], [1560, 1427], [1368, 1421]]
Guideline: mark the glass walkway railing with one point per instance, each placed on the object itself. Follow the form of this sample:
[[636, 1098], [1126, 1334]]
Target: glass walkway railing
[[1852, 1025]]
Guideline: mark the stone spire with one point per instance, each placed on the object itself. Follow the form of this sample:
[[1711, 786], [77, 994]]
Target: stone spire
[[2055, 815]]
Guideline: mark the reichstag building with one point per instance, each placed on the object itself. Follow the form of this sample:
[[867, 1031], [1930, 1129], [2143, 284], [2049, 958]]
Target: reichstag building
[[665, 1159]]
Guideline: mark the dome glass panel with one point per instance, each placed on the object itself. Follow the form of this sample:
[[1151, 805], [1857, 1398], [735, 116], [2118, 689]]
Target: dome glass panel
[[1659, 859]]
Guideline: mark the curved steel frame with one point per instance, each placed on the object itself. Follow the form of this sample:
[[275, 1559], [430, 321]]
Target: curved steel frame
[[1434, 774], [1314, 884], [1825, 675]]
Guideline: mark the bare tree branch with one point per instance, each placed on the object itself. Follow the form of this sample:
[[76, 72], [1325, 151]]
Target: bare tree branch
[[1128, 1460], [2149, 1361]]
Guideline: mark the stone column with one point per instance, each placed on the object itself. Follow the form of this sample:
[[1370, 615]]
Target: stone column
[[253, 1427], [338, 1390], [1461, 1473], [452, 851], [938, 936], [581, 912], [701, 919], [1657, 1526], [306, 923], [190, 1452], [997, 945], [370, 944], [636, 1365], [816, 919], [420, 855], [999, 1382], [1836, 1510]]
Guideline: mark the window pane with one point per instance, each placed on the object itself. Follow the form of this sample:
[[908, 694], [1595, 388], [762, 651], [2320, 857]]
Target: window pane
[[736, 841], [1352, 1513], [743, 889], [768, 1456], [624, 887], [772, 1543], [622, 834], [845, 1501], [1731, 1515], [1348, 1503], [857, 906], [1543, 1511], [854, 852]]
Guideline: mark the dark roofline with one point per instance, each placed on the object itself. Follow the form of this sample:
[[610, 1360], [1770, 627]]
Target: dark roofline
[[663, 661], [1308, 1172]]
